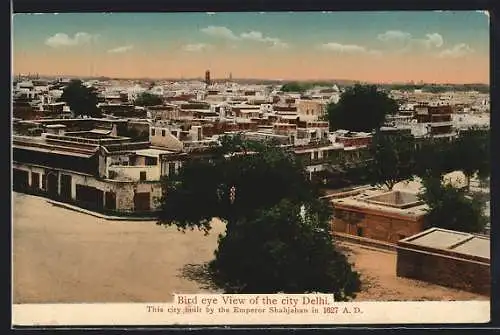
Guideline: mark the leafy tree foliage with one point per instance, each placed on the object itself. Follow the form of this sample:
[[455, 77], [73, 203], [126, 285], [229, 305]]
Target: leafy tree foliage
[[261, 179], [295, 87], [393, 159], [361, 108], [472, 153], [148, 99], [435, 158], [81, 100], [277, 229], [469, 153], [282, 249], [450, 208]]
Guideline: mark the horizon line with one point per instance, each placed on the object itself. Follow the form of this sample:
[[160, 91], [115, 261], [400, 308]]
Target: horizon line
[[333, 80]]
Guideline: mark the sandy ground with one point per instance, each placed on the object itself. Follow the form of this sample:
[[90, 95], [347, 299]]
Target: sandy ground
[[380, 283], [65, 256]]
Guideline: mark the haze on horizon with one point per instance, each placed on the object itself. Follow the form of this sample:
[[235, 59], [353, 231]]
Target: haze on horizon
[[430, 46]]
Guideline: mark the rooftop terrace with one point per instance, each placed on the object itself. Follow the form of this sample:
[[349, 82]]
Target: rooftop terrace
[[451, 242]]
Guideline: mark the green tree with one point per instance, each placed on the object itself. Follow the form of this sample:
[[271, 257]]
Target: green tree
[[435, 158], [81, 100], [282, 249], [450, 208], [472, 150], [200, 190], [148, 99], [361, 108], [294, 87], [293, 253], [393, 159]]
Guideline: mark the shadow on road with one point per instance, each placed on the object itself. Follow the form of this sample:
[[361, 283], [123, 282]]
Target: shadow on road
[[199, 273]]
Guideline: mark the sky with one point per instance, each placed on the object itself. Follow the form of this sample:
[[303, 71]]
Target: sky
[[430, 46]]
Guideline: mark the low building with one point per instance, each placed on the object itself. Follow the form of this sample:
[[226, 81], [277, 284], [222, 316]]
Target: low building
[[385, 216], [93, 169], [448, 258]]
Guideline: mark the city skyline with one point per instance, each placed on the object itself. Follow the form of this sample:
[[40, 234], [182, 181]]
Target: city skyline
[[432, 46]]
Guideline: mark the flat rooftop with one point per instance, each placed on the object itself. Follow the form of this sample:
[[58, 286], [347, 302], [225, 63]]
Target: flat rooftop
[[152, 152], [452, 241], [397, 199], [366, 201]]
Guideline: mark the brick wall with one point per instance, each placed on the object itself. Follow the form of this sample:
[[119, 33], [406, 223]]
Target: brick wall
[[443, 270], [378, 226]]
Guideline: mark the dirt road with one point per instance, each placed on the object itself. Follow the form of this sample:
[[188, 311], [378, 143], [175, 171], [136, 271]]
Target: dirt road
[[65, 256]]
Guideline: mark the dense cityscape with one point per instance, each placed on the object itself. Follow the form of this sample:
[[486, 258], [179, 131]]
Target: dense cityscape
[[370, 190]]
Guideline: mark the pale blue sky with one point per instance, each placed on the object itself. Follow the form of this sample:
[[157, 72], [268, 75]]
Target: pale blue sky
[[456, 34]]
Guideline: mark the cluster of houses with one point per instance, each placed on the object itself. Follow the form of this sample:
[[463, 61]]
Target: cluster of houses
[[116, 163]]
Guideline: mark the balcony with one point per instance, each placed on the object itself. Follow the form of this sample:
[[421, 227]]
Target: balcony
[[313, 143]]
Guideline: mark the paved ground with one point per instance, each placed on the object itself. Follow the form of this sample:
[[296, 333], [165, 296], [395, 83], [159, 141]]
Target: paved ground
[[65, 256]]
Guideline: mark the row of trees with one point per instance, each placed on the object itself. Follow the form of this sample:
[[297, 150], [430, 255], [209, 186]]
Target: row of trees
[[440, 88], [277, 229], [395, 158]]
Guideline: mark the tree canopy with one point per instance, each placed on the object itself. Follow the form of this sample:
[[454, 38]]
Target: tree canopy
[[261, 178], [294, 87], [393, 159], [472, 153], [277, 229], [282, 249], [469, 153], [81, 100], [361, 108], [148, 99], [450, 208]]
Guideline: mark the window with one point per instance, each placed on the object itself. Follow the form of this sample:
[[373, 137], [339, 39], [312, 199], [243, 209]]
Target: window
[[142, 175], [150, 161], [153, 132], [163, 132]]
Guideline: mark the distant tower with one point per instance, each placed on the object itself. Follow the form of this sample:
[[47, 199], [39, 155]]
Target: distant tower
[[207, 77], [230, 76]]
